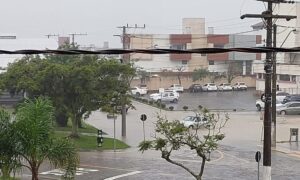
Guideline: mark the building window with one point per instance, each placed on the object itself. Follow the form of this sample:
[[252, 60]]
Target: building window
[[211, 62], [203, 54], [293, 78], [178, 46], [184, 62], [284, 77]]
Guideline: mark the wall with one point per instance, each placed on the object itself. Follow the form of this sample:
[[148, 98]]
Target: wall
[[165, 81]]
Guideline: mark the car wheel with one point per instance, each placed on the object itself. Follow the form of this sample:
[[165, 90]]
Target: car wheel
[[159, 100], [175, 100], [282, 112], [258, 107], [191, 127], [137, 94]]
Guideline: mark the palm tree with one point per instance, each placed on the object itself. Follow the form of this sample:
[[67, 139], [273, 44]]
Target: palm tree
[[36, 143]]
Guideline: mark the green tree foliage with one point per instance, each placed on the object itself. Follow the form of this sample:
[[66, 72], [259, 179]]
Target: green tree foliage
[[173, 136], [9, 159], [31, 139], [199, 74], [76, 84]]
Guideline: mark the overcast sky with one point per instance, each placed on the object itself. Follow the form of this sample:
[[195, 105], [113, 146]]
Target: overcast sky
[[100, 18]]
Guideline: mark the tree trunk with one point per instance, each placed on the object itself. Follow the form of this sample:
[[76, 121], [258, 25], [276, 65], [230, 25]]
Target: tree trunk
[[74, 133], [35, 173]]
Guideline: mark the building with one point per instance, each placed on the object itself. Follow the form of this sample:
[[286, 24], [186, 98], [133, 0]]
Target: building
[[192, 37], [288, 64]]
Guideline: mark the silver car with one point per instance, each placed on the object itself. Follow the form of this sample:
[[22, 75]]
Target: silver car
[[289, 108]]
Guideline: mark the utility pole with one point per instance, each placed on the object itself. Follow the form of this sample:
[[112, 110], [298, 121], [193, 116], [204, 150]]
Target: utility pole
[[268, 17], [76, 34], [51, 35], [125, 44], [274, 88]]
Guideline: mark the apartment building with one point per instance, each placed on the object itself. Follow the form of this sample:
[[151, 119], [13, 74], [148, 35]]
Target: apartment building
[[288, 64], [242, 62], [193, 36]]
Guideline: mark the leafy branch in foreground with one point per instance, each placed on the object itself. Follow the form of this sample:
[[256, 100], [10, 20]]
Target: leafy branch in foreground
[[173, 136]]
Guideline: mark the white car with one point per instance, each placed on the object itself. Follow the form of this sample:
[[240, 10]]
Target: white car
[[138, 91], [225, 87], [280, 96], [209, 87], [176, 87], [167, 96], [193, 121], [261, 105], [240, 86]]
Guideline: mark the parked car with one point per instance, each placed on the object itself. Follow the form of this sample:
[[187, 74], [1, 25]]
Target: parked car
[[289, 108], [195, 88], [209, 87], [176, 87], [281, 95], [289, 98], [167, 96], [194, 121], [240, 86], [225, 87], [259, 104], [138, 91]]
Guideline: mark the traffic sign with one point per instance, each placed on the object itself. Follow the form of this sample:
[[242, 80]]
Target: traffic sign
[[143, 117], [257, 156]]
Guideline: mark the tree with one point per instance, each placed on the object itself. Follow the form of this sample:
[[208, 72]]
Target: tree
[[76, 86], [233, 71], [35, 141], [173, 136], [199, 74], [9, 159], [179, 69]]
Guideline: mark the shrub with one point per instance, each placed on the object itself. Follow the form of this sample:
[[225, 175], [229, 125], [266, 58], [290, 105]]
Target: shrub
[[171, 108], [151, 102], [185, 108], [163, 106], [200, 107]]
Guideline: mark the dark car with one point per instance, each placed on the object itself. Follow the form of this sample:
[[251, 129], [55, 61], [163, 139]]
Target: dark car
[[195, 88], [289, 98]]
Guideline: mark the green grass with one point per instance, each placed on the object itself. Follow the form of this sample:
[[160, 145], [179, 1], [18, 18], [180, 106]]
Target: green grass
[[11, 178], [87, 142], [86, 128]]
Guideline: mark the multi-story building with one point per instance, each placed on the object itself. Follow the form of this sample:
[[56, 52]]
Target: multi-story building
[[242, 62], [288, 64], [193, 36]]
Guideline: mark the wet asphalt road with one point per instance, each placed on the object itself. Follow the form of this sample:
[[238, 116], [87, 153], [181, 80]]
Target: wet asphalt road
[[227, 100]]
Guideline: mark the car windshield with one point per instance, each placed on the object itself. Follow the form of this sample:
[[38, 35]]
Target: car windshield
[[188, 118], [242, 83], [212, 84], [226, 84]]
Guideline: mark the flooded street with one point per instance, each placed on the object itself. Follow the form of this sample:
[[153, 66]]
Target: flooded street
[[227, 100]]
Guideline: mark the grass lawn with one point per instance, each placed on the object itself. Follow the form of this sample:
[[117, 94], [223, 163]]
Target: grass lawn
[[86, 128], [88, 142]]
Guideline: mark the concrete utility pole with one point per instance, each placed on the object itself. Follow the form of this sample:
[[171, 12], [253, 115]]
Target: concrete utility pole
[[268, 17], [126, 46], [76, 34], [274, 88]]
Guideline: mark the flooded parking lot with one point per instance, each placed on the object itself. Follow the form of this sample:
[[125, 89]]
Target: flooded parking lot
[[227, 100]]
